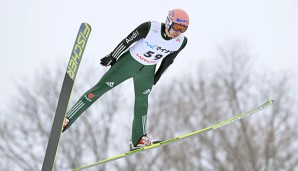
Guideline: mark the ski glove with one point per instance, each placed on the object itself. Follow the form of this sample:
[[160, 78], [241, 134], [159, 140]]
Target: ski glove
[[107, 60]]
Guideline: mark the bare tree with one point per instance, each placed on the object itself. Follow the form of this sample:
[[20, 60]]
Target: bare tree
[[264, 141], [24, 135]]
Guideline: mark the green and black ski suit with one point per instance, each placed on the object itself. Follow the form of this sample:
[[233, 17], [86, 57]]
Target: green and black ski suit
[[137, 62]]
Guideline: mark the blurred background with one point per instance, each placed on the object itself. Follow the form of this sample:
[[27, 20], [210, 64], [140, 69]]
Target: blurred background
[[239, 55]]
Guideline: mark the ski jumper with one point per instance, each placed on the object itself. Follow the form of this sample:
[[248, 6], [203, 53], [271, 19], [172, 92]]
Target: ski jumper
[[137, 62]]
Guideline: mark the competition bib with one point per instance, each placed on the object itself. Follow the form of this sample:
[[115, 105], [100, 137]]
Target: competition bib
[[154, 47]]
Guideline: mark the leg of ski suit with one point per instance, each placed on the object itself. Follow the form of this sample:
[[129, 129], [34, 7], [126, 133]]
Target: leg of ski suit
[[126, 67], [143, 83]]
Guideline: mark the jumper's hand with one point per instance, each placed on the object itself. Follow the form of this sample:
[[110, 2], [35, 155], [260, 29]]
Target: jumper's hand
[[107, 60]]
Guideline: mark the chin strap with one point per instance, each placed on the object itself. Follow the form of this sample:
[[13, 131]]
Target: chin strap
[[165, 34]]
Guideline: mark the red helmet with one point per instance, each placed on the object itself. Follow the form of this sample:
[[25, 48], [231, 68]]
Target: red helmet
[[177, 16]]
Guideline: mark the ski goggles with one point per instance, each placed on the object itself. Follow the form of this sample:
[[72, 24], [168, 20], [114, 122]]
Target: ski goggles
[[178, 27]]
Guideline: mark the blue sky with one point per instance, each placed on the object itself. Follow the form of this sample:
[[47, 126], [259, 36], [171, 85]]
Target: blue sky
[[35, 34]]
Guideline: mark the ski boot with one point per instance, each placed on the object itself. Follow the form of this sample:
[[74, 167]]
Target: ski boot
[[144, 141], [65, 123]]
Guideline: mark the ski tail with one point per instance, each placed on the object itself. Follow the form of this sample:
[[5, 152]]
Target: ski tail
[[67, 86], [172, 140]]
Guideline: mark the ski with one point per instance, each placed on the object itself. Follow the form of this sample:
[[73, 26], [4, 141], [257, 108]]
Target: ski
[[166, 142], [67, 86]]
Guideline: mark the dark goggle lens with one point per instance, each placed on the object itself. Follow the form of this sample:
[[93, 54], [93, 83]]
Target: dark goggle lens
[[178, 27]]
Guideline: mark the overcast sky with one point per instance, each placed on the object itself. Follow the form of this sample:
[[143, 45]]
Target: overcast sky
[[37, 33]]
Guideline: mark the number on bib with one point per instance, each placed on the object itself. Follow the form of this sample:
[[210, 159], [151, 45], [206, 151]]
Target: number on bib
[[150, 53]]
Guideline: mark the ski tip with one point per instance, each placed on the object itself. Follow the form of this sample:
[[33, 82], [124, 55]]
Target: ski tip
[[86, 25]]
